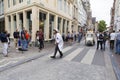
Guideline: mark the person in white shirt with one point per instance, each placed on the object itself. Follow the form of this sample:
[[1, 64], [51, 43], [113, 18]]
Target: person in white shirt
[[59, 44], [112, 39]]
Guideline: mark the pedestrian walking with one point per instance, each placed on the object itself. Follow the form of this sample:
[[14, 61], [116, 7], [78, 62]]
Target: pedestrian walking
[[16, 38], [41, 38], [68, 37], [112, 39], [27, 37], [79, 36], [75, 36], [118, 43], [99, 40], [4, 40], [58, 43], [37, 39], [105, 36], [23, 41]]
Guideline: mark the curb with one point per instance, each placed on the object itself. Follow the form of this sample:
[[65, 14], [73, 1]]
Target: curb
[[21, 62]]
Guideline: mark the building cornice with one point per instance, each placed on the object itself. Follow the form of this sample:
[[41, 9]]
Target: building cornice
[[43, 8]]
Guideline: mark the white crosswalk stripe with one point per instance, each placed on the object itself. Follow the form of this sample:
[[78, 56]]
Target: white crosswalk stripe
[[89, 57], [73, 54]]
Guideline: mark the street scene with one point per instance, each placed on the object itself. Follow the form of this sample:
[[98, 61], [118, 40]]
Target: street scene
[[59, 40], [79, 62]]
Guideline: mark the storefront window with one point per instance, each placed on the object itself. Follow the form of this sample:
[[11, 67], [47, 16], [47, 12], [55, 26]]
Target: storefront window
[[51, 26]]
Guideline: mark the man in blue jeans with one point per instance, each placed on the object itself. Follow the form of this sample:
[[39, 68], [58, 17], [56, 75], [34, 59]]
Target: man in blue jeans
[[118, 43]]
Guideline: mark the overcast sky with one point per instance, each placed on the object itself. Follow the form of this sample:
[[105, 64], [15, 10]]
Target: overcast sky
[[101, 9]]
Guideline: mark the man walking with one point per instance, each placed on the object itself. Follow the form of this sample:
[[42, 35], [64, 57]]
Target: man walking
[[58, 43], [112, 40], [41, 38], [99, 40], [16, 38], [118, 43]]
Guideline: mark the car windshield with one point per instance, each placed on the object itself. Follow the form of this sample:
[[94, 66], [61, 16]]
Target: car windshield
[[89, 35]]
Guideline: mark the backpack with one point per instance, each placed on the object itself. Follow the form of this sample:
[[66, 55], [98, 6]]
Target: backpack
[[101, 36], [3, 37]]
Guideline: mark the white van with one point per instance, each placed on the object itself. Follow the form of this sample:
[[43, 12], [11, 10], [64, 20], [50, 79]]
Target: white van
[[90, 38]]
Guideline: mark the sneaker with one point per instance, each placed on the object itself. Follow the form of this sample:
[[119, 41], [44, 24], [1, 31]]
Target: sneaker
[[52, 56]]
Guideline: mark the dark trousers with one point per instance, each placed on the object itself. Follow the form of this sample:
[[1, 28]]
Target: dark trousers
[[104, 44], [57, 49], [99, 43], [118, 46], [112, 44], [41, 44]]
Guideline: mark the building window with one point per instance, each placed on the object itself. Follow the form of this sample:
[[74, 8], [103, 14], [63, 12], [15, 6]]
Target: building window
[[69, 9], [2, 6], [20, 1], [59, 4], [65, 5], [8, 3], [14, 2]]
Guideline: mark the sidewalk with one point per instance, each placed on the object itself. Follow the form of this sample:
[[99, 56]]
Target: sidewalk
[[15, 56]]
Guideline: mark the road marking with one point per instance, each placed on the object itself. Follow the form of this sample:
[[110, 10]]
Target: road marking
[[89, 56], [10, 62], [64, 50], [73, 54]]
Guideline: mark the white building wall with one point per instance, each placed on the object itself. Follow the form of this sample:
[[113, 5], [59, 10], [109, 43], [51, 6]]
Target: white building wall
[[82, 13], [48, 7], [1, 7], [117, 16]]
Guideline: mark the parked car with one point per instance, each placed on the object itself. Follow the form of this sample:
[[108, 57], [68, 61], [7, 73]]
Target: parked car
[[90, 39]]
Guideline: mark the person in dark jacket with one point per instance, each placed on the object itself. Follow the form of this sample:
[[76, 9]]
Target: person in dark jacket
[[4, 40], [16, 38], [41, 38]]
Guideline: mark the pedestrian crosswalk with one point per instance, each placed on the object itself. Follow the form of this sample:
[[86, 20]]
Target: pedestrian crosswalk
[[73, 54], [89, 56], [87, 59], [70, 53]]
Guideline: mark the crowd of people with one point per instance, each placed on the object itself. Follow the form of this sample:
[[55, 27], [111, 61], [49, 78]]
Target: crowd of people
[[73, 36], [113, 39], [23, 38]]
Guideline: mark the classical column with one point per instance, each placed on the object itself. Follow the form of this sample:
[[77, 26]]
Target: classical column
[[25, 20], [12, 26], [18, 21], [56, 21], [17, 1], [47, 26], [35, 22], [7, 24], [70, 26]]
